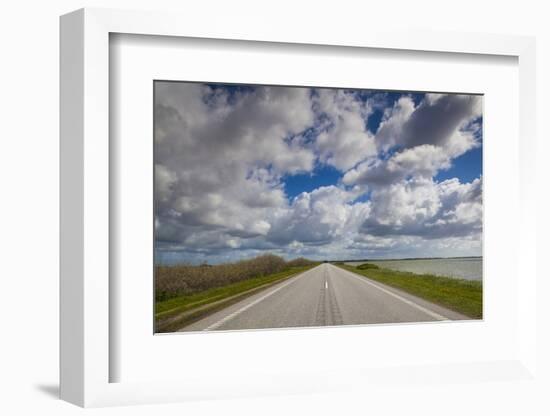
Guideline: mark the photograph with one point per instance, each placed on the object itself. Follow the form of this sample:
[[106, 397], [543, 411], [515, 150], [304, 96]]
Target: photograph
[[294, 207]]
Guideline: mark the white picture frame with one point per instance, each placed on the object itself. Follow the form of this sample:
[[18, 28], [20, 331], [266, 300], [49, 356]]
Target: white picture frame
[[86, 355]]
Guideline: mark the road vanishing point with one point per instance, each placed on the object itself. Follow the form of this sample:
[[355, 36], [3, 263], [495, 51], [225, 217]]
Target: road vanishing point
[[325, 295]]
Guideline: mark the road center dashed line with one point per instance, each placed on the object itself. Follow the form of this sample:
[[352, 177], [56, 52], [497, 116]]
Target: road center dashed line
[[401, 298]]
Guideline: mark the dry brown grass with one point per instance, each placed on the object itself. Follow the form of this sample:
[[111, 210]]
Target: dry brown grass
[[172, 281], [299, 262]]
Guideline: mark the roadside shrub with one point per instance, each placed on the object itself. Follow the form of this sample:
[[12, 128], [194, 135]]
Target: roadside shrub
[[299, 262], [185, 279], [366, 266]]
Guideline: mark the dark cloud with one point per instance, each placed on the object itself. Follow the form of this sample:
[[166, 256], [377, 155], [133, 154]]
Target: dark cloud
[[418, 142], [435, 122]]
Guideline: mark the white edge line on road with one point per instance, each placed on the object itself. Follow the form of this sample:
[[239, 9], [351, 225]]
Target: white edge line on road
[[401, 298], [244, 308]]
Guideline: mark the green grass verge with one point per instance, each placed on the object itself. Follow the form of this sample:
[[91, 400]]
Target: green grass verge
[[460, 295], [175, 313], [366, 266]]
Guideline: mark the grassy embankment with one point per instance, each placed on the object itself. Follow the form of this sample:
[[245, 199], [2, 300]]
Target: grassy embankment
[[185, 293], [460, 295]]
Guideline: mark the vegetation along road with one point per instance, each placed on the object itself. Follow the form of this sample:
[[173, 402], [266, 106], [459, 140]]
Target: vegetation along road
[[328, 294]]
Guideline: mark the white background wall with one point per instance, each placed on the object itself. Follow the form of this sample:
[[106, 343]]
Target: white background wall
[[29, 205]]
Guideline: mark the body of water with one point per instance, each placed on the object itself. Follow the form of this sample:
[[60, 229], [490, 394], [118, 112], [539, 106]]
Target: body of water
[[470, 268]]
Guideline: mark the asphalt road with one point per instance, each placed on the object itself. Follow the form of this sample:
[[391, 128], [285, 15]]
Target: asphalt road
[[324, 296]]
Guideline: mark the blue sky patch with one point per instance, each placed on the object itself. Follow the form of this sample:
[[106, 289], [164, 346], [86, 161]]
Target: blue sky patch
[[466, 167], [324, 175]]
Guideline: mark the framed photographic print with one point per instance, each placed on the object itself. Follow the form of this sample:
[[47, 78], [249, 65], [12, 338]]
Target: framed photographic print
[[283, 212], [279, 206]]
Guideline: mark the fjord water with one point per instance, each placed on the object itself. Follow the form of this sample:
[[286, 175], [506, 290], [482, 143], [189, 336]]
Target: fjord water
[[470, 268]]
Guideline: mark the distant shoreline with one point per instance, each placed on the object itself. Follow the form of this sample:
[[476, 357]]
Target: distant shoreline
[[407, 258], [159, 263], [470, 268]]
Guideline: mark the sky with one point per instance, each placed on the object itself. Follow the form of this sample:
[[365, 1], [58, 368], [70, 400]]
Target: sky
[[320, 173]]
